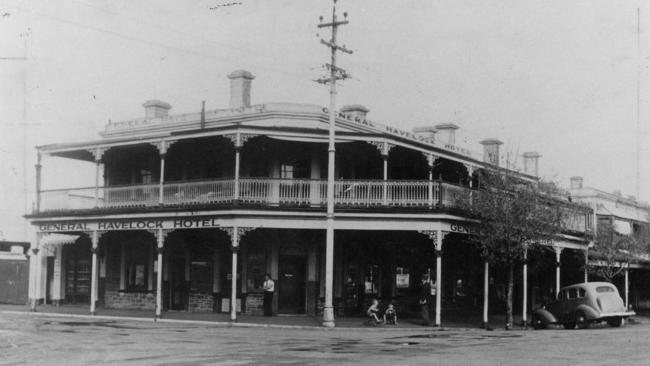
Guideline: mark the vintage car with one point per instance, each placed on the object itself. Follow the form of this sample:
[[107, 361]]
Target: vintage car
[[583, 304]]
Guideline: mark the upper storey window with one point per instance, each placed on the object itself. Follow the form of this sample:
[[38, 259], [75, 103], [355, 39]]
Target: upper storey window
[[294, 169], [147, 176]]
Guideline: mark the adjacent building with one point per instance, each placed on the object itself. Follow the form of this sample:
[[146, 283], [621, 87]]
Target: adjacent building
[[628, 217], [190, 211]]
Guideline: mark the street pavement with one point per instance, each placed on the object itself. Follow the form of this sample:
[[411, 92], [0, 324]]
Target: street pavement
[[39, 339]]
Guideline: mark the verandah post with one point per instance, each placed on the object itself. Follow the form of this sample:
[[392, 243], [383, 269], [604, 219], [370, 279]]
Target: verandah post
[[160, 241], [486, 287], [93, 276]]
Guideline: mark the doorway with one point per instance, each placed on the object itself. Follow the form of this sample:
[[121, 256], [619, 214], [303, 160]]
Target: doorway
[[178, 285], [291, 284], [77, 272]]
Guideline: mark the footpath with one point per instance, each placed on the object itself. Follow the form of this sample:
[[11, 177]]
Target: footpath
[[281, 321]]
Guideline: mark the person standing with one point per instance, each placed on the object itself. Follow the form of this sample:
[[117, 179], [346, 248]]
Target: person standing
[[269, 288], [424, 299]]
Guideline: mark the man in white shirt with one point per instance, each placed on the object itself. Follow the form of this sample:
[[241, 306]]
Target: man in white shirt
[[269, 288]]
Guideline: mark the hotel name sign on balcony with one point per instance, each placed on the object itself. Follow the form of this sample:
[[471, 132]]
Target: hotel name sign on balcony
[[103, 225], [401, 133]]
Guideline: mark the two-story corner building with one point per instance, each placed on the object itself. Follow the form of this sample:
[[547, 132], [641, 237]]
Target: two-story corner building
[[189, 212], [627, 216]]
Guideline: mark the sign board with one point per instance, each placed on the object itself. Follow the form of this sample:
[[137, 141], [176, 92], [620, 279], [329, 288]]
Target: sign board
[[402, 280], [141, 224]]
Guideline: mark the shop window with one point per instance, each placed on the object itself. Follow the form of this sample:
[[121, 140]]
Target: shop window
[[371, 281], [256, 268], [201, 276], [137, 267], [402, 280]]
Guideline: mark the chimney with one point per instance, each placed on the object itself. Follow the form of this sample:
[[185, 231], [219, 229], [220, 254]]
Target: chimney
[[428, 132], [491, 151], [355, 111], [240, 89], [447, 133], [576, 182], [531, 163], [156, 109]]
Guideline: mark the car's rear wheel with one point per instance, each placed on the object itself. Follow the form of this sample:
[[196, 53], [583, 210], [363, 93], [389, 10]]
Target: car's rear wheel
[[537, 322], [569, 325], [615, 322], [581, 320]]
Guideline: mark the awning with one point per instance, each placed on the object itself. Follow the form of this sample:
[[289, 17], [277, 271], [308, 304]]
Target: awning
[[622, 227], [58, 239]]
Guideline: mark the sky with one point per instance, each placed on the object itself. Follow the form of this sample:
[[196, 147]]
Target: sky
[[568, 79]]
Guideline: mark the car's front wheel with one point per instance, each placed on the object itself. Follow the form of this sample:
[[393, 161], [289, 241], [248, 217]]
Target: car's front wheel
[[615, 322], [581, 320], [537, 322]]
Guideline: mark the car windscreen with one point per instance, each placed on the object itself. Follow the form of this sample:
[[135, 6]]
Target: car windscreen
[[604, 289]]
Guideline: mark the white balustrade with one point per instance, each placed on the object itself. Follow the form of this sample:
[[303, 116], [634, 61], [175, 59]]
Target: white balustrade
[[129, 196], [450, 194], [275, 192], [67, 199], [195, 193]]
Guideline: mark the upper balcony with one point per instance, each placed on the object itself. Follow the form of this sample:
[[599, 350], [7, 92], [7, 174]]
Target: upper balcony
[[257, 192], [364, 195]]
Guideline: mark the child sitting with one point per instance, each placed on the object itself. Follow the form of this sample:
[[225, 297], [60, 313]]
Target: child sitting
[[373, 313], [390, 315]]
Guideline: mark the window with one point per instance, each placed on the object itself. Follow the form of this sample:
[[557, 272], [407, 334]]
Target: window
[[602, 289], [294, 169], [146, 176], [572, 293], [137, 263], [201, 276], [581, 292], [256, 268]]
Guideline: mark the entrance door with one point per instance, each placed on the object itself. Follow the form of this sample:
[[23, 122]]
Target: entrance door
[[178, 285], [49, 280], [291, 284], [77, 281]]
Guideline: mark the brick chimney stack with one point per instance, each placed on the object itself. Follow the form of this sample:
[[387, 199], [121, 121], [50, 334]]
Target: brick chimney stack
[[576, 182], [491, 151], [447, 133], [355, 110], [156, 109], [531, 163], [428, 132], [240, 89]]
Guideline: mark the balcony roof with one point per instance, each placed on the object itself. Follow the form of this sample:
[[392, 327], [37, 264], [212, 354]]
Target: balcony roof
[[306, 122]]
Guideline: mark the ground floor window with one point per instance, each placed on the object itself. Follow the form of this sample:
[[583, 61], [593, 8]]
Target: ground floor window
[[256, 267], [137, 266]]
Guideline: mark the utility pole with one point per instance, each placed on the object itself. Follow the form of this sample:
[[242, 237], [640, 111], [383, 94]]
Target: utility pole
[[335, 73]]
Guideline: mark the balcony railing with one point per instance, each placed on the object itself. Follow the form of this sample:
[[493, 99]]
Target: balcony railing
[[272, 192], [259, 191]]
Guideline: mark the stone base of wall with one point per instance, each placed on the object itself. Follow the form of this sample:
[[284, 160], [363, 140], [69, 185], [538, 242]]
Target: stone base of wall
[[201, 302], [339, 308], [255, 303], [130, 300]]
